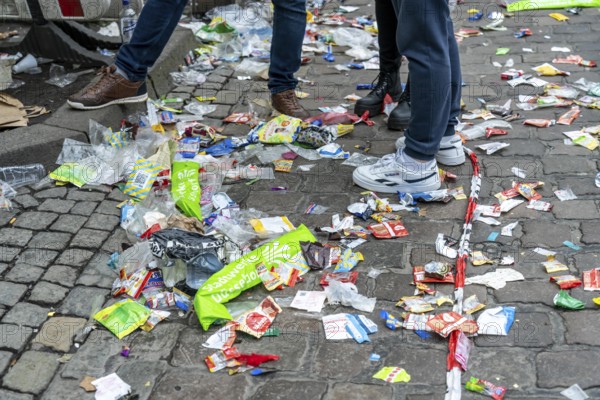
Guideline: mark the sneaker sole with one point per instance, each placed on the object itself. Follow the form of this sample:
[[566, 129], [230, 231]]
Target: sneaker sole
[[127, 100], [373, 110], [381, 188]]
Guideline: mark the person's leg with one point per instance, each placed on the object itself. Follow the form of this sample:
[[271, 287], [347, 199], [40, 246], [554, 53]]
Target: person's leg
[[289, 25], [388, 81], [155, 26], [387, 23], [423, 38], [456, 80]]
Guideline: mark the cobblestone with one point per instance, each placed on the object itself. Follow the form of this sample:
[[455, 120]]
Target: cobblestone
[[57, 333], [51, 193], [50, 241], [83, 195], [84, 208], [62, 274], [14, 337], [74, 257], [11, 293], [24, 273], [80, 299], [26, 201], [57, 205], [102, 222], [26, 314], [35, 220], [32, 372], [89, 238], [15, 237], [47, 293], [69, 223]]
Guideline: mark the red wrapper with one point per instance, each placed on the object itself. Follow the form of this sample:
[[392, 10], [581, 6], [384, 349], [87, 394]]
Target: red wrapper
[[494, 131], [343, 277], [447, 322], [388, 230], [420, 277], [566, 281], [591, 279], [256, 322]]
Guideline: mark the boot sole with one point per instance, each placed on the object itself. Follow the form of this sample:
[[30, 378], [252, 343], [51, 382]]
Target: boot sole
[[373, 110], [381, 188], [397, 124], [126, 100]]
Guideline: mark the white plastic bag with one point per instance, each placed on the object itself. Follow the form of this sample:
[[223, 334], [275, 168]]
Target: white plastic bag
[[346, 293], [352, 37]]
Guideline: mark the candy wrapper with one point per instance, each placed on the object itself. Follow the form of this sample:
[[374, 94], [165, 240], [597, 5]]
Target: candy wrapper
[[553, 266], [270, 279], [583, 139], [272, 225], [563, 300], [185, 188], [256, 322], [356, 330], [420, 276], [123, 318], [343, 277], [486, 388], [437, 270], [281, 129], [348, 261], [417, 322], [472, 304], [391, 322], [222, 339], [155, 317], [414, 304], [310, 301], [392, 375], [540, 123], [141, 179], [188, 147], [317, 256], [568, 117], [388, 230], [361, 210], [447, 322], [591, 279], [549, 70], [566, 281], [220, 359], [283, 165], [539, 205]]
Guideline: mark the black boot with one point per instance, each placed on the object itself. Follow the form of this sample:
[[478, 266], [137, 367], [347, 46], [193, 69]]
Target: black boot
[[399, 117], [387, 83]]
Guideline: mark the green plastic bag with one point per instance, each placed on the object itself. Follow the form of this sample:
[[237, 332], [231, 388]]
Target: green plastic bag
[[241, 274], [185, 188], [123, 317], [70, 172], [532, 5]]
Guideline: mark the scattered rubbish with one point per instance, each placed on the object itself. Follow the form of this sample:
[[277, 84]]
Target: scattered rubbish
[[496, 321], [110, 387], [486, 388], [497, 279], [392, 375], [563, 300], [574, 392]]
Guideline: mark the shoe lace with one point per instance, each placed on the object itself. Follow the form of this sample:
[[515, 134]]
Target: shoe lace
[[385, 161], [383, 81], [290, 101], [107, 79]]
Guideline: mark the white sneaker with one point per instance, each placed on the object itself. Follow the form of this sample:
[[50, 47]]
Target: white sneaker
[[451, 153], [390, 176]]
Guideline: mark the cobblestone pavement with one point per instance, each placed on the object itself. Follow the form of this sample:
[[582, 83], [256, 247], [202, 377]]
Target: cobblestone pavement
[[53, 259]]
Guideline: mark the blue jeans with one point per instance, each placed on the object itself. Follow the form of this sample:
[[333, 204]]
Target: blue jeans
[[155, 26], [289, 25], [425, 36]]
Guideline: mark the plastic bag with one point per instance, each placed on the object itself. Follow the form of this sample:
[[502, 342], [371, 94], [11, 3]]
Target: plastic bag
[[177, 243], [361, 53], [478, 130], [347, 295], [186, 188], [281, 129], [352, 37], [188, 78], [59, 77], [251, 68], [73, 151], [358, 160], [199, 109], [241, 274]]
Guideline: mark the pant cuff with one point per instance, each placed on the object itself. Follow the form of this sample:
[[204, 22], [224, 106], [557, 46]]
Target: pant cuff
[[418, 155], [279, 89]]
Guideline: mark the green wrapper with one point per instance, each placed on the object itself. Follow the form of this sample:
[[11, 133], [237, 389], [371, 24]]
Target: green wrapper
[[241, 274], [123, 317], [533, 5], [563, 300], [185, 188]]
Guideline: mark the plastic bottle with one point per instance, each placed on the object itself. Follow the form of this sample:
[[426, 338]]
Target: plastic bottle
[[128, 21], [22, 175]]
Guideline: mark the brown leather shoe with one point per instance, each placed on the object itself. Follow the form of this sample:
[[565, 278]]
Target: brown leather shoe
[[110, 88], [287, 103]]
